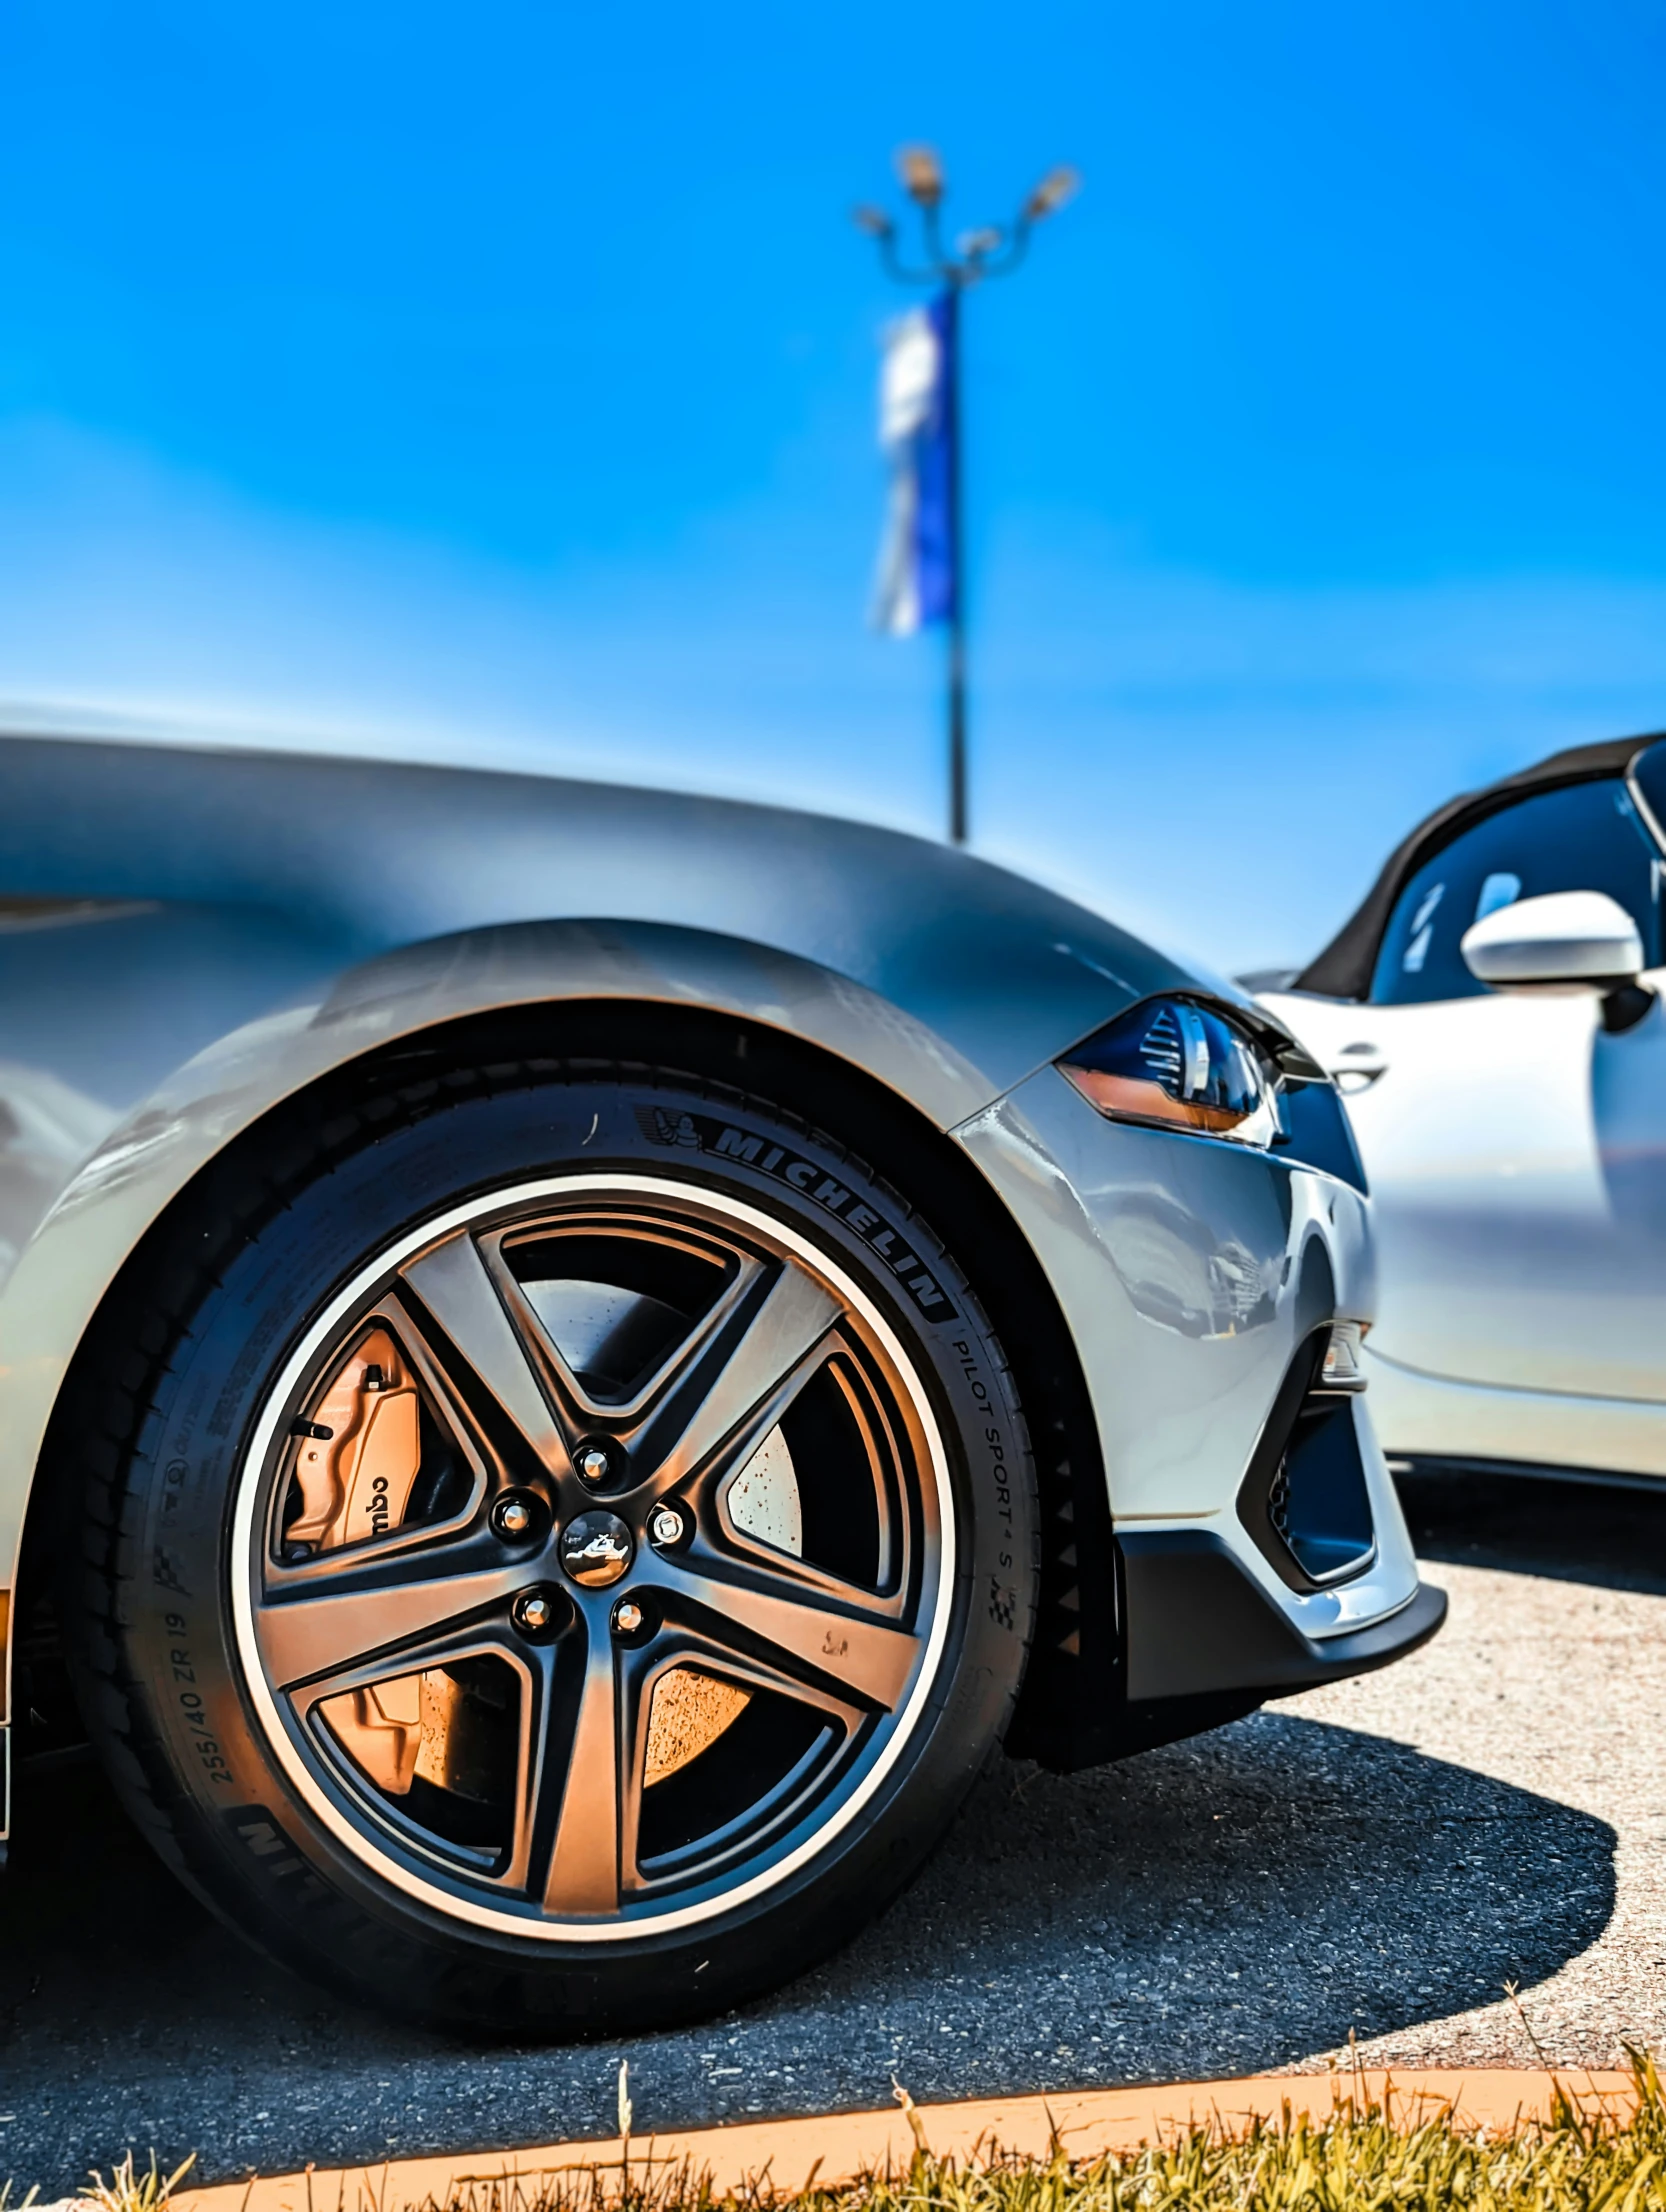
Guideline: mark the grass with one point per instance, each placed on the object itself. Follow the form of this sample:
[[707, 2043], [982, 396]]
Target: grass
[[125, 2191], [1361, 2158]]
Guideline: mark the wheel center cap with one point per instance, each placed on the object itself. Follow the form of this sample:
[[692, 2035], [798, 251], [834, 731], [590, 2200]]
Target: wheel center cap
[[596, 1549]]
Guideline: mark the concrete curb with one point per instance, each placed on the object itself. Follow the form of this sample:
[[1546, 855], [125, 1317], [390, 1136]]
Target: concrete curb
[[836, 2147]]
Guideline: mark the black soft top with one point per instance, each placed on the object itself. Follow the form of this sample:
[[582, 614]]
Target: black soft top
[[1344, 968]]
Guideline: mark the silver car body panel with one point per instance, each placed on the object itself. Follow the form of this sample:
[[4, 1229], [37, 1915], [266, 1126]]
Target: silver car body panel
[[1177, 1261], [189, 937]]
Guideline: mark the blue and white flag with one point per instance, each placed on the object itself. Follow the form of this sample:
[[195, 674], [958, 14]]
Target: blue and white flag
[[917, 581]]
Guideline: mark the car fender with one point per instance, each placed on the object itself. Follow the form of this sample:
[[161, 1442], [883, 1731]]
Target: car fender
[[151, 1154]]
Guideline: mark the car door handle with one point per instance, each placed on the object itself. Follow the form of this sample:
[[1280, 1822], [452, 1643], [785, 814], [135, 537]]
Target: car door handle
[[1357, 1067]]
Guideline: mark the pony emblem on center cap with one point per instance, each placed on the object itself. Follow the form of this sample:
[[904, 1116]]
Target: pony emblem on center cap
[[596, 1549]]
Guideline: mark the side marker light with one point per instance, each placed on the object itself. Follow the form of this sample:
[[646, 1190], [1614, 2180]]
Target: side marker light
[[1342, 1367]]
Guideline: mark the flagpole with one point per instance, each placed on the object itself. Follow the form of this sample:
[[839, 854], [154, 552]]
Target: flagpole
[[979, 255], [958, 824]]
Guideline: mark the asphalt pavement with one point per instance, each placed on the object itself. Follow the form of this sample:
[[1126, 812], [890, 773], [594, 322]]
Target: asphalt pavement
[[1383, 1857]]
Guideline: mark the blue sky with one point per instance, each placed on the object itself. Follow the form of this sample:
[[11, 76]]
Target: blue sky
[[499, 383]]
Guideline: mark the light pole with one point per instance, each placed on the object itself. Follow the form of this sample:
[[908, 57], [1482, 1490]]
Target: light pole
[[978, 256]]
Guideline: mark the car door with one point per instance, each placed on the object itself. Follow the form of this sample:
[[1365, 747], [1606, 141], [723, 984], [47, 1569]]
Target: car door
[[1516, 1148]]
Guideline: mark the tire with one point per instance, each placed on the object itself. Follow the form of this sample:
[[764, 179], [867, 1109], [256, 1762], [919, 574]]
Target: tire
[[565, 1563]]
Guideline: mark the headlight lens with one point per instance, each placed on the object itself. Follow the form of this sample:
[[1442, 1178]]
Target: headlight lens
[[1173, 1064]]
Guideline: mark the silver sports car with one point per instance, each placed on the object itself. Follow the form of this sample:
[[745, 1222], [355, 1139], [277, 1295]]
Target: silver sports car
[[573, 1360]]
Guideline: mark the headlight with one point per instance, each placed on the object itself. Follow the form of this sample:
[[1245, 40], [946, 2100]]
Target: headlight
[[1174, 1064]]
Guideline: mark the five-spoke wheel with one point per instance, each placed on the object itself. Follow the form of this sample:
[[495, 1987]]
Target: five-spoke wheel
[[596, 1547]]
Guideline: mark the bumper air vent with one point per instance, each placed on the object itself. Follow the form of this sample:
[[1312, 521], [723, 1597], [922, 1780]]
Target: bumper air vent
[[1304, 1499]]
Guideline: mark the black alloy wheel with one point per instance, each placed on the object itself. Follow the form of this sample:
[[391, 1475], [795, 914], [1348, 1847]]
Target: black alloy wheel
[[575, 1557]]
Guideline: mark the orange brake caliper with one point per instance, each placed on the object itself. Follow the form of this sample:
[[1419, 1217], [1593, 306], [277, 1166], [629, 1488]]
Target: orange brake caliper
[[355, 1468]]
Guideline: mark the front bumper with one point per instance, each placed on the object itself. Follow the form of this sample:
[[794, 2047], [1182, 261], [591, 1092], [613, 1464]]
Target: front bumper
[[1194, 1278]]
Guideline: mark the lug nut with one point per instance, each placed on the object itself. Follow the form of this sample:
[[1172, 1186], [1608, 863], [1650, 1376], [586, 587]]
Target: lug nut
[[512, 1515], [627, 1618], [533, 1613], [666, 1526], [594, 1464]]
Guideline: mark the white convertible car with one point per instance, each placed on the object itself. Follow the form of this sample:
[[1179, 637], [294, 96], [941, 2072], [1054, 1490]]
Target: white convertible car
[[1493, 1014]]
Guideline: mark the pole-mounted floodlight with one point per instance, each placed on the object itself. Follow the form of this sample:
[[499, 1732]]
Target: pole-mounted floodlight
[[1055, 188], [978, 255], [921, 173]]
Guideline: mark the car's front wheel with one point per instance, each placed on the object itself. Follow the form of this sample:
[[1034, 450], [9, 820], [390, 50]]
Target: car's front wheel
[[569, 1562]]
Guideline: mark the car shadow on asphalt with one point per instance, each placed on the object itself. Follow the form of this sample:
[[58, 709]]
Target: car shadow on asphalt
[[1607, 1533], [1217, 1907]]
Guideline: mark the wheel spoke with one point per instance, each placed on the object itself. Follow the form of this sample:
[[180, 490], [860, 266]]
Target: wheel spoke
[[583, 1876], [536, 1665], [738, 1380], [454, 1284], [803, 1632], [342, 1613]]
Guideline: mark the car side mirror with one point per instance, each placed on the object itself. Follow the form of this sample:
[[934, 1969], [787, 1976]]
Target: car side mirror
[[1567, 940], [1578, 939]]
